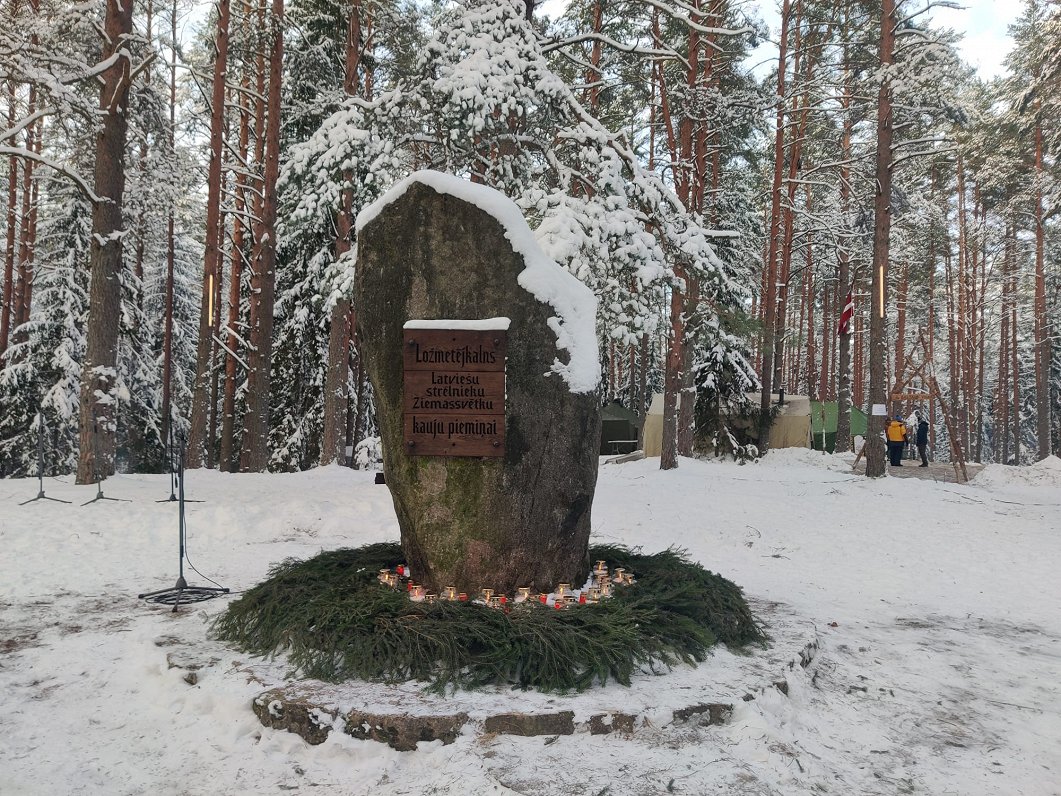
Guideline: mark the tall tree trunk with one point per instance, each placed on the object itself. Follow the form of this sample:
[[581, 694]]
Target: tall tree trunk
[[254, 456], [769, 299], [672, 384], [687, 401], [900, 321], [961, 283], [204, 355], [228, 460], [12, 227], [99, 376], [878, 346], [800, 61], [811, 352], [846, 283], [1002, 393], [336, 388], [981, 327], [167, 334], [24, 293], [1014, 369], [1040, 325]]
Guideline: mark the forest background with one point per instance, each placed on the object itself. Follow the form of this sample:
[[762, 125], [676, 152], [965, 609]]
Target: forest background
[[178, 239]]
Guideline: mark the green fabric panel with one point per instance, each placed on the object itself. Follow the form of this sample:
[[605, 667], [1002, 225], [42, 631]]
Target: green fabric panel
[[858, 421]]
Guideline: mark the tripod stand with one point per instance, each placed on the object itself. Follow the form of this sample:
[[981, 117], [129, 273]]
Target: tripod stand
[[182, 592], [40, 466], [99, 481]]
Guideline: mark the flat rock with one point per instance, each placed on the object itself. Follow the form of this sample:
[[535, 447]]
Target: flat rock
[[561, 723]]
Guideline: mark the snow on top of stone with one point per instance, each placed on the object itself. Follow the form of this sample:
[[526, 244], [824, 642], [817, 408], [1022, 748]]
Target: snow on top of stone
[[483, 324], [576, 307]]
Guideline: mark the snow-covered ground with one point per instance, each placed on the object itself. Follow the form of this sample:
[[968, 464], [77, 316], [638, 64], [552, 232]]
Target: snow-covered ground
[[938, 608]]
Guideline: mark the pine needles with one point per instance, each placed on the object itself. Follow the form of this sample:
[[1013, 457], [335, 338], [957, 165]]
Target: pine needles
[[335, 622]]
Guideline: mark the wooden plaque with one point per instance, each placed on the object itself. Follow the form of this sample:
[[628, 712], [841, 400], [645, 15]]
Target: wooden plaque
[[454, 392]]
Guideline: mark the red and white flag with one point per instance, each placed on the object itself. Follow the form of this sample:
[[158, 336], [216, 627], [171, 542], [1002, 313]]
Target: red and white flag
[[846, 315]]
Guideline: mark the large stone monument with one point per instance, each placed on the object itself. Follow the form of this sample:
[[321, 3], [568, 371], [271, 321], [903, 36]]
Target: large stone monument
[[483, 359]]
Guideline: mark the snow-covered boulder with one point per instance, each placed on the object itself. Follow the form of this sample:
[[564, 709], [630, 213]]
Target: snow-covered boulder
[[438, 247]]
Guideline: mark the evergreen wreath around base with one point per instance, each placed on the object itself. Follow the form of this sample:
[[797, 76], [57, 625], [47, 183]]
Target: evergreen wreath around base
[[334, 621]]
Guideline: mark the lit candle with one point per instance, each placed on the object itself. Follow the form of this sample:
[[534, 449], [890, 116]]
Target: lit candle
[[523, 594], [601, 566], [383, 574], [417, 594], [562, 589], [430, 597], [487, 594], [451, 592]]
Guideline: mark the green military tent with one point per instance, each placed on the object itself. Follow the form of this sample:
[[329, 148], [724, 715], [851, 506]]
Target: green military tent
[[826, 411], [618, 433]]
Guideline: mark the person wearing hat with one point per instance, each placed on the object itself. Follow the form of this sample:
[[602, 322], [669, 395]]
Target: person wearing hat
[[922, 438], [896, 434]]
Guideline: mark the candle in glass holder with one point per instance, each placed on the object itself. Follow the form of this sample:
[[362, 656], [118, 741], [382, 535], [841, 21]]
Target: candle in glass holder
[[462, 597], [401, 569], [416, 594], [430, 597], [628, 579], [594, 593], [522, 594], [487, 594], [451, 592], [560, 603], [562, 589], [619, 574], [601, 566], [502, 599], [383, 574], [582, 598]]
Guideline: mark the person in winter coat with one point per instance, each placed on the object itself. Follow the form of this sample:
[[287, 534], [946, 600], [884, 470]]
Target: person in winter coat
[[922, 438], [896, 434]]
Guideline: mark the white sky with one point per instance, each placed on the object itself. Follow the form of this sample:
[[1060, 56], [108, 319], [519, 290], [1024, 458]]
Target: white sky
[[985, 24]]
